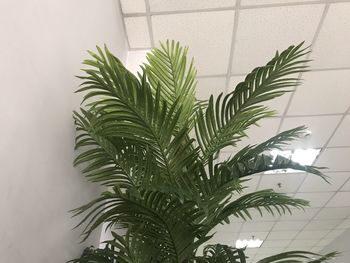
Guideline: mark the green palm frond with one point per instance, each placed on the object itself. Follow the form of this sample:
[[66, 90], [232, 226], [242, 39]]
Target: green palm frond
[[268, 200], [298, 257], [165, 220], [225, 121], [121, 249], [167, 67], [219, 253], [128, 110]]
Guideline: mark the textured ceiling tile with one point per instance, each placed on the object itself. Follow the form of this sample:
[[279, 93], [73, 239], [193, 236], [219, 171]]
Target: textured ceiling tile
[[257, 134], [323, 92], [346, 186], [257, 234], [340, 199], [264, 30], [314, 235], [336, 159], [314, 183], [341, 137], [210, 86], [264, 2], [322, 224], [276, 235], [177, 5], [289, 225], [284, 183], [300, 243], [332, 213], [321, 128], [276, 243], [257, 226], [137, 31], [207, 34], [133, 6], [316, 199], [300, 214], [332, 44], [334, 233]]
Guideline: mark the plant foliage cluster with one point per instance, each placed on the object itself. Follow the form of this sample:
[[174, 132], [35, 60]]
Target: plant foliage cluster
[[155, 146]]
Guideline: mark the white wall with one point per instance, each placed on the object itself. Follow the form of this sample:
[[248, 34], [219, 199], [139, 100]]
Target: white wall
[[342, 245], [42, 43]]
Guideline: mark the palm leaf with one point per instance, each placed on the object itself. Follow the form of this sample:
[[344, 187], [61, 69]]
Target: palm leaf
[[225, 120], [219, 253], [269, 200], [161, 218], [167, 67], [298, 257]]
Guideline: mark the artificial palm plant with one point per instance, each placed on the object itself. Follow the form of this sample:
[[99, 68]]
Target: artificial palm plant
[[155, 146]]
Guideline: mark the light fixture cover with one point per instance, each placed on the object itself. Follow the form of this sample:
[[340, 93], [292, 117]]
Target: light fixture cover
[[302, 156], [250, 243]]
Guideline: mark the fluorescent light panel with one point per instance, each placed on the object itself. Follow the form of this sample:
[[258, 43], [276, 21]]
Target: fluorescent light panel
[[251, 243], [302, 156]]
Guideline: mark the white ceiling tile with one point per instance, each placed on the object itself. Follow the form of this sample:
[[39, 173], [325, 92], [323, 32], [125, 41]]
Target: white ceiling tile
[[323, 92], [257, 226], [313, 183], [340, 199], [289, 225], [312, 235], [234, 81], [316, 199], [210, 86], [269, 251], [233, 227], [137, 32], [227, 153], [317, 249], [251, 184], [335, 32], [133, 6], [341, 136], [273, 28], [178, 5], [250, 234], [324, 242], [322, 224], [336, 159], [344, 224], [210, 46], [276, 243], [264, 2], [334, 233], [135, 59], [277, 235], [258, 134], [346, 186], [321, 127], [300, 243], [300, 214], [289, 182], [332, 213], [266, 216]]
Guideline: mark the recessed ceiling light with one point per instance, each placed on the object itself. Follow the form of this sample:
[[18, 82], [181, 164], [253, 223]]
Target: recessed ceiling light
[[302, 156], [250, 243]]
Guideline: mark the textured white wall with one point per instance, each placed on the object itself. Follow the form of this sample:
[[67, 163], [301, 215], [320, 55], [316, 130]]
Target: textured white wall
[[41, 46]]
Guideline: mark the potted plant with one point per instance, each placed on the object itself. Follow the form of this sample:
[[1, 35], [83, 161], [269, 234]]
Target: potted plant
[[155, 147]]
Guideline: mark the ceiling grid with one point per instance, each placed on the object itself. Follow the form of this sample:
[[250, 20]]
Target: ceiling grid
[[222, 33]]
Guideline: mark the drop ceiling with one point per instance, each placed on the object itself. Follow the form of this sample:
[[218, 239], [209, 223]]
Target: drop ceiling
[[227, 39]]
